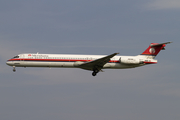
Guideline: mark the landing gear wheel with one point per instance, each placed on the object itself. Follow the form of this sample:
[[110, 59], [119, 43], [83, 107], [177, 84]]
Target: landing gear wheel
[[94, 74], [95, 71]]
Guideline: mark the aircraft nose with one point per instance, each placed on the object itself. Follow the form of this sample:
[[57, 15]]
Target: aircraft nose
[[9, 63]]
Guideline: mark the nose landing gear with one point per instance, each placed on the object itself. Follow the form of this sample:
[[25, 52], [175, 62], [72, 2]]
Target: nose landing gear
[[14, 69]]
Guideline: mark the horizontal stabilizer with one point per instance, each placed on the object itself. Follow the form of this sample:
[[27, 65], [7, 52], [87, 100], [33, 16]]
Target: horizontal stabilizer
[[160, 44]]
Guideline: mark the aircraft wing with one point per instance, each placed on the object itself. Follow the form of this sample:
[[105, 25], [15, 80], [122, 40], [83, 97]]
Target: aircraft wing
[[98, 63]]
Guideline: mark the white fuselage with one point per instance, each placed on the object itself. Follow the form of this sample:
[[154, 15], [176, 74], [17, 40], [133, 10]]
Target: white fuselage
[[73, 61], [94, 63]]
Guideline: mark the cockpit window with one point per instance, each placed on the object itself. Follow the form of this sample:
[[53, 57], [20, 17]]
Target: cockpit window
[[16, 57]]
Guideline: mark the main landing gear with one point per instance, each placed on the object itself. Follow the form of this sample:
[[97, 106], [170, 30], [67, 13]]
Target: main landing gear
[[14, 69], [95, 72]]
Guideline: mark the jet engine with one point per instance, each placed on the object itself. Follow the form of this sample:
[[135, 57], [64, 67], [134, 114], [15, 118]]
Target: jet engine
[[132, 60]]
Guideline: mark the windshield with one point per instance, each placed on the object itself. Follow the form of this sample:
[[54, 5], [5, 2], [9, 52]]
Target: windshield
[[16, 57]]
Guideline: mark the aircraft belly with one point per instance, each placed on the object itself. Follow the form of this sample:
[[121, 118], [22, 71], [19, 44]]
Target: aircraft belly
[[68, 65], [45, 64]]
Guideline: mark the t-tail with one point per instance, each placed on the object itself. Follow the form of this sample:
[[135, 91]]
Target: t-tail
[[154, 49]]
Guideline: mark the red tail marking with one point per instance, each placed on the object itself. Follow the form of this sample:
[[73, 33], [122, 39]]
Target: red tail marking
[[153, 50]]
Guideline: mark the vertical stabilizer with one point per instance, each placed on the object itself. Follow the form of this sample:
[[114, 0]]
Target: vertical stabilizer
[[154, 49]]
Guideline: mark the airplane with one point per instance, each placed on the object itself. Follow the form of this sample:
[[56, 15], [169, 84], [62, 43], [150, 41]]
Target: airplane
[[93, 63]]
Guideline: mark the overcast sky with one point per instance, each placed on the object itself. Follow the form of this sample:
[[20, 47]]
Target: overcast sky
[[90, 27]]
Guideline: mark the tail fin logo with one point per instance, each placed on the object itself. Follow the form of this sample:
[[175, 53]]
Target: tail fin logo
[[152, 50]]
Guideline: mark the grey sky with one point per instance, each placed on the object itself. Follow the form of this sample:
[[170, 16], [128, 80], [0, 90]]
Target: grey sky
[[90, 27]]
